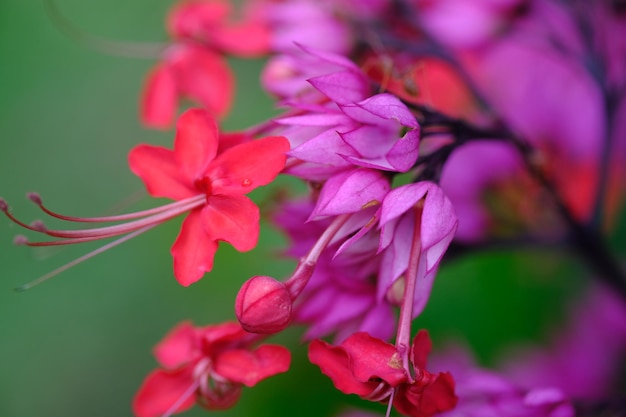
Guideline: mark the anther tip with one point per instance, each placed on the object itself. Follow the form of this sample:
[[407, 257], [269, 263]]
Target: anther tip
[[21, 288], [39, 226], [34, 197], [3, 205], [20, 240]]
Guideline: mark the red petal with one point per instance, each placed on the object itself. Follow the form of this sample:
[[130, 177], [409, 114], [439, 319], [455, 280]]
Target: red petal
[[228, 140], [426, 399], [159, 97], [421, 349], [193, 250], [250, 367], [244, 167], [218, 337], [155, 165], [373, 358], [335, 364], [232, 218], [190, 18], [248, 39], [161, 390], [205, 77], [196, 142], [178, 347]]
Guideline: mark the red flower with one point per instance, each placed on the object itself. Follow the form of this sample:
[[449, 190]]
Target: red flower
[[195, 66], [191, 71], [207, 173], [373, 369], [212, 185], [210, 23], [208, 365]]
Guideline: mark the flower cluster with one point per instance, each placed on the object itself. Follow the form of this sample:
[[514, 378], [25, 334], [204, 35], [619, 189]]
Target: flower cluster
[[424, 130]]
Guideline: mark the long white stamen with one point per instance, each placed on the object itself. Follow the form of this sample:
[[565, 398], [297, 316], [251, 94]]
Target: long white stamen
[[83, 258]]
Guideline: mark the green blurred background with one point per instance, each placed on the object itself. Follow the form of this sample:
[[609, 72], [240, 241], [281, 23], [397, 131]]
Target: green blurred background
[[80, 344]]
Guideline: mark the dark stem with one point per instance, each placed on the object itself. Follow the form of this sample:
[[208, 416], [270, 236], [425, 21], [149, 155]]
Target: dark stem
[[584, 240]]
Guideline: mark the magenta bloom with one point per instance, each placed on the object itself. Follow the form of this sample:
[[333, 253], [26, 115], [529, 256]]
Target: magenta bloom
[[211, 185], [415, 215], [208, 365], [373, 370], [487, 393]]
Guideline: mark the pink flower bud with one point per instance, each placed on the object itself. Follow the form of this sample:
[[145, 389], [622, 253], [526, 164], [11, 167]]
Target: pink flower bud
[[263, 305]]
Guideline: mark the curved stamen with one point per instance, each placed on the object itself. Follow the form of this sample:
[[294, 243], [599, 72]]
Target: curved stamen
[[35, 198], [380, 392], [390, 403], [4, 207], [112, 47], [83, 258], [181, 207]]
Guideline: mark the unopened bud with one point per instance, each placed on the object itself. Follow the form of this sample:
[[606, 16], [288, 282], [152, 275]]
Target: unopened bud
[[263, 305]]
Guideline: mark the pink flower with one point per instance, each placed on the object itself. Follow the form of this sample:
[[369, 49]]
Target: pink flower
[[208, 365], [373, 369], [213, 183]]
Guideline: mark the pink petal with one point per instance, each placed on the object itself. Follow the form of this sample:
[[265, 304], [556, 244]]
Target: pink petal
[[350, 192], [244, 167], [250, 367], [342, 87], [155, 165], [161, 390], [178, 346], [196, 142], [159, 97], [193, 250], [232, 218]]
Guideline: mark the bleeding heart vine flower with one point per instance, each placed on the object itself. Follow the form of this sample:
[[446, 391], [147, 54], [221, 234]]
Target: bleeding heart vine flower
[[208, 365], [214, 184], [208, 179], [373, 369]]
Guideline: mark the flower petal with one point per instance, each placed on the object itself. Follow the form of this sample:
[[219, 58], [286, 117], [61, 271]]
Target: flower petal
[[250, 367], [196, 142], [159, 97], [350, 192], [246, 39], [204, 76], [426, 399], [177, 347], [232, 218], [161, 390], [335, 364], [157, 168], [373, 358], [193, 250], [420, 349], [244, 167]]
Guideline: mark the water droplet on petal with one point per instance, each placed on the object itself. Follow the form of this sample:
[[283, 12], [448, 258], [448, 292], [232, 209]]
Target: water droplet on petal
[[246, 182]]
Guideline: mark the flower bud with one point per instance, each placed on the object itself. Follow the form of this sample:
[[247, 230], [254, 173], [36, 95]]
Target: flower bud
[[263, 305]]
